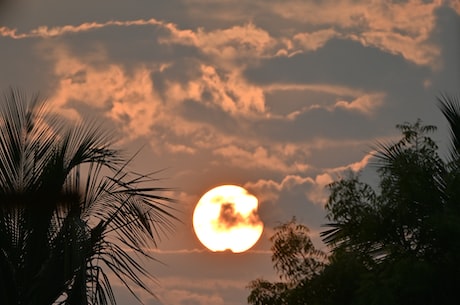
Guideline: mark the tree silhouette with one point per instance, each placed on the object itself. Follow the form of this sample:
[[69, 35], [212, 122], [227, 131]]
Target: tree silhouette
[[296, 261], [398, 243], [407, 236], [71, 213]]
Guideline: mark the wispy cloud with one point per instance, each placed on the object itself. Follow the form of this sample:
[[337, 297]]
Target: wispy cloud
[[403, 29], [177, 251], [189, 251], [366, 104], [259, 158], [49, 32], [314, 186], [200, 291], [131, 100], [363, 102], [228, 91], [311, 41], [235, 42], [105, 87], [455, 4], [400, 28]]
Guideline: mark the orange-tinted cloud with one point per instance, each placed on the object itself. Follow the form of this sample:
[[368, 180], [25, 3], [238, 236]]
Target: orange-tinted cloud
[[230, 92], [399, 28], [455, 4], [131, 100], [48, 32], [366, 104], [226, 44], [128, 99], [196, 290], [312, 41], [315, 186], [259, 157]]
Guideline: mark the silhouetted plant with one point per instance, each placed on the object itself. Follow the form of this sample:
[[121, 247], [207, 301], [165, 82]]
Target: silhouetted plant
[[406, 236], [296, 261], [71, 214], [399, 244]]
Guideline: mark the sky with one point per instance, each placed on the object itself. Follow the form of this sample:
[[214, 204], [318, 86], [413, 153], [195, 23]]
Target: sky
[[280, 97]]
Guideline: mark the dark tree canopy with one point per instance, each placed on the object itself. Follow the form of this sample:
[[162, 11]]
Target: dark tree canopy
[[396, 244], [71, 212], [296, 261]]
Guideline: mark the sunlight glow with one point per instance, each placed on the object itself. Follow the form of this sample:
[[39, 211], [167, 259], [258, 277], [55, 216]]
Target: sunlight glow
[[226, 218]]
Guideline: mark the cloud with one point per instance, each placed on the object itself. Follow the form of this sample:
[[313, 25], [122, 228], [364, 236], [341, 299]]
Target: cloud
[[228, 91], [198, 286], [315, 87], [129, 99], [176, 251], [180, 148], [187, 297], [192, 251], [400, 28], [198, 290], [311, 41], [49, 32], [318, 194], [219, 84], [355, 166], [366, 104], [269, 190], [134, 103], [314, 186], [226, 44], [259, 157], [207, 108], [455, 4], [363, 102]]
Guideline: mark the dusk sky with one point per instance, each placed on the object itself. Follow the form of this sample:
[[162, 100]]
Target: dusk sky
[[280, 97]]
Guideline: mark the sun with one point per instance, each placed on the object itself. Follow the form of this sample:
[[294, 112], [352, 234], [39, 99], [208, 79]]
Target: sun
[[225, 218]]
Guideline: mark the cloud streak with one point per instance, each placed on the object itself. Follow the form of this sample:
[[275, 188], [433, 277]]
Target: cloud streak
[[269, 190], [191, 251], [403, 29], [50, 32]]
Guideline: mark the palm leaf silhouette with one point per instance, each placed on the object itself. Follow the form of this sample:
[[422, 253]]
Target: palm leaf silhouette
[[69, 206]]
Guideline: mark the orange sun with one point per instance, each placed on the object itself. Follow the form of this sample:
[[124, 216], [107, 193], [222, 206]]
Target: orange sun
[[226, 218]]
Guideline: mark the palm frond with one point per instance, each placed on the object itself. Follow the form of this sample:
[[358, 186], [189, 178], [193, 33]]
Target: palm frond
[[68, 202], [450, 108]]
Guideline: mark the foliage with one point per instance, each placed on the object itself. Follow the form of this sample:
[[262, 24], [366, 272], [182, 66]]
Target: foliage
[[70, 211], [294, 255], [265, 292], [398, 243], [296, 260]]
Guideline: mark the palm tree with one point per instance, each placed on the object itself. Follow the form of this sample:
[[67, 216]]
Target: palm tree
[[71, 214]]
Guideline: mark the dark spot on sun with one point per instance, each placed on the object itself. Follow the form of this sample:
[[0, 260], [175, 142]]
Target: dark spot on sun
[[229, 218]]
